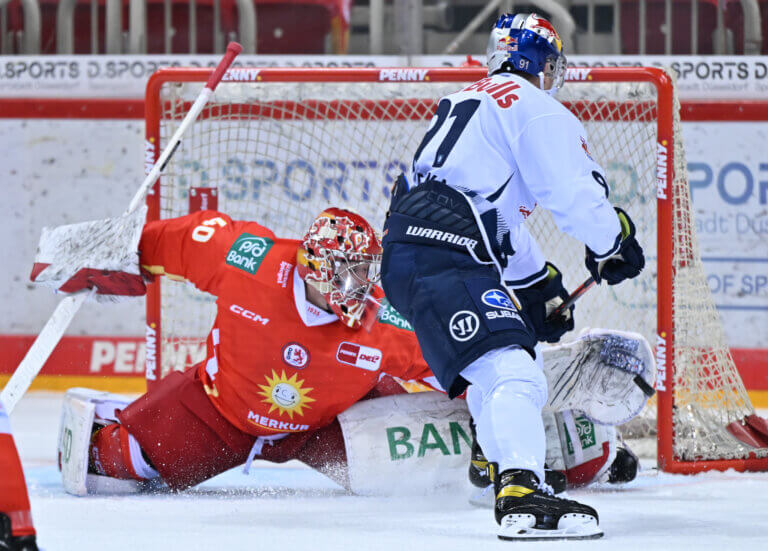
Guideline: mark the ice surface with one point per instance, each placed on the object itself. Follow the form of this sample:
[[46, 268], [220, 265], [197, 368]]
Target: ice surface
[[290, 507]]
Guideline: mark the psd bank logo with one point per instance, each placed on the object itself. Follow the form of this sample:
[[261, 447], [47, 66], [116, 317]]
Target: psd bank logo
[[248, 251], [496, 298]]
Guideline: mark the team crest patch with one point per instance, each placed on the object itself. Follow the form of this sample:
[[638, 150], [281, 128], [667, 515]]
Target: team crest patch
[[295, 355], [363, 357], [286, 395], [247, 252]]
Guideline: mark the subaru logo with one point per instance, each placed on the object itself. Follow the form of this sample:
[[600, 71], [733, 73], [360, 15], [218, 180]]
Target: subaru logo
[[496, 298]]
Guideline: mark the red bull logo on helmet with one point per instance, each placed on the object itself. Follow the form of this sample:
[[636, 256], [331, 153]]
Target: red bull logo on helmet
[[544, 28]]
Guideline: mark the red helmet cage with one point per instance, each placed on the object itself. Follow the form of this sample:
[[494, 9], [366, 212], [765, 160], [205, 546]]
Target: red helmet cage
[[340, 256]]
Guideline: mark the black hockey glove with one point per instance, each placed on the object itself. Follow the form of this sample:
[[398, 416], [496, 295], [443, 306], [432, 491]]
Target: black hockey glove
[[626, 263], [540, 299]]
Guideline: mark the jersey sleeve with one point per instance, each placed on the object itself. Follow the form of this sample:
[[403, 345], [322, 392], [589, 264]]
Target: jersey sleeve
[[193, 247], [408, 364], [528, 266], [554, 161]]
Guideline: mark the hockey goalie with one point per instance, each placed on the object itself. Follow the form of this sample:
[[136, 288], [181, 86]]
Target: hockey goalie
[[306, 360]]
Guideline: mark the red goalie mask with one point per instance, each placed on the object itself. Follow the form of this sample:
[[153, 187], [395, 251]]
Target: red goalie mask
[[340, 256]]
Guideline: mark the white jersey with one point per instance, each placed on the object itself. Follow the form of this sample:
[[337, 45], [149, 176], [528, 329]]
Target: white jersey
[[511, 147]]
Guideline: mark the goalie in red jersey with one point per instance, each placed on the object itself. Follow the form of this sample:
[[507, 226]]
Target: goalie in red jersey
[[296, 341]]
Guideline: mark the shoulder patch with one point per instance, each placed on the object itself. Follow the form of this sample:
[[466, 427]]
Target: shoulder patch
[[390, 316], [247, 252]]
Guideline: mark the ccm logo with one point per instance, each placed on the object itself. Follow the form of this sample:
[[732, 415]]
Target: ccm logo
[[247, 314], [363, 357]]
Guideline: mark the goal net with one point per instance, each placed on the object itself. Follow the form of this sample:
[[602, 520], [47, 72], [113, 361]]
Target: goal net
[[279, 145]]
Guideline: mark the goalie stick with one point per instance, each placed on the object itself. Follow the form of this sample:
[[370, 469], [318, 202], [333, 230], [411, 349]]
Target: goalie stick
[[588, 283], [54, 328]]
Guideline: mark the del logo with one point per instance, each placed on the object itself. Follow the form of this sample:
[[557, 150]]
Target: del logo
[[248, 251], [286, 395], [363, 357], [496, 298], [295, 355]]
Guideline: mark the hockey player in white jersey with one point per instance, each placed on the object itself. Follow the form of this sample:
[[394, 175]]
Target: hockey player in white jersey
[[460, 265]]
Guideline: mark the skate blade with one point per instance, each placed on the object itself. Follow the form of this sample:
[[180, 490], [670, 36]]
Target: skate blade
[[485, 498], [570, 527], [103, 485]]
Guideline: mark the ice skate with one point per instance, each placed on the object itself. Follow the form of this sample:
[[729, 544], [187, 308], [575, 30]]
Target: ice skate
[[10, 543], [482, 472], [526, 510]]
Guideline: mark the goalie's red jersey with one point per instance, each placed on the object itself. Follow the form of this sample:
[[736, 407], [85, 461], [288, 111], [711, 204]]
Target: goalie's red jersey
[[266, 371]]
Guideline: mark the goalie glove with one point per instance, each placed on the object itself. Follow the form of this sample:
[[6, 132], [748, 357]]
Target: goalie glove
[[541, 299], [627, 262], [101, 255], [606, 374]]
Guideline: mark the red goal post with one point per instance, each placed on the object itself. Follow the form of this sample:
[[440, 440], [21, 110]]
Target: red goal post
[[270, 131]]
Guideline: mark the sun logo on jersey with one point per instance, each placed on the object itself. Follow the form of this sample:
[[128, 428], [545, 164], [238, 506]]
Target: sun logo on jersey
[[286, 395]]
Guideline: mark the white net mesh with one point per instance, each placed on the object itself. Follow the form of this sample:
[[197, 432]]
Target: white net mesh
[[279, 153]]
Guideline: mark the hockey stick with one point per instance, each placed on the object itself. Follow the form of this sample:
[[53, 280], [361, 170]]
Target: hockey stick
[[54, 329], [573, 297]]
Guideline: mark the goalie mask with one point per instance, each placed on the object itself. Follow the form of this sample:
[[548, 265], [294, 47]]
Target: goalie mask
[[527, 43], [340, 256]]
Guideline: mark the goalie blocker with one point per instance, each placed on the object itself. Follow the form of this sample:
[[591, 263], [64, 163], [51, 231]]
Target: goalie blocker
[[412, 442]]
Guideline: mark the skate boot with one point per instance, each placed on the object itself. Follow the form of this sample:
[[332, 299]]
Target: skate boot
[[526, 510], [10, 543], [481, 471]]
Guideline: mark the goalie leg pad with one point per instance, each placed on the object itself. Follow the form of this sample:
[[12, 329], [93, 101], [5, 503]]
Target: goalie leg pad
[[414, 443], [81, 409]]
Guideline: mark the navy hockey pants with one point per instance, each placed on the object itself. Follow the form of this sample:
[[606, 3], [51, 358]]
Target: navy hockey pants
[[458, 308]]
